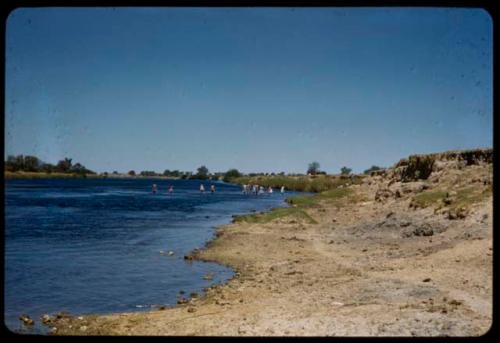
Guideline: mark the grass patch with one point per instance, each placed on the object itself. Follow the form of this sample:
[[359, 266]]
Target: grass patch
[[463, 198], [429, 198], [275, 214], [331, 196], [325, 185], [470, 195], [314, 184]]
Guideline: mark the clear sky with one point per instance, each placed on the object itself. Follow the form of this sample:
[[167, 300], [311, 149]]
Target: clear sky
[[258, 89]]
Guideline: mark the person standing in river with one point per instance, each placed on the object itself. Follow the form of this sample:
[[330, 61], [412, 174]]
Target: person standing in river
[[171, 189], [212, 188], [155, 189], [282, 189], [202, 188]]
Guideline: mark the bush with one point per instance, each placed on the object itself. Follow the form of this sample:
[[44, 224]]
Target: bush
[[231, 174], [416, 167]]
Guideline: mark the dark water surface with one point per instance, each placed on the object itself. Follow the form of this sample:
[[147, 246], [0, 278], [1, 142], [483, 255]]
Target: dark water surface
[[93, 245]]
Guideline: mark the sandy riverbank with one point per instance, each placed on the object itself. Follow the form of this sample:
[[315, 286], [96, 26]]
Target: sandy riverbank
[[384, 258]]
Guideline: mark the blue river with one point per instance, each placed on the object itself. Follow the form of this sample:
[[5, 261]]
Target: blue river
[[93, 245]]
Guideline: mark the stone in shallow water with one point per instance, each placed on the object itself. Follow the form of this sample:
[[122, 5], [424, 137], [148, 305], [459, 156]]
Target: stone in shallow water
[[26, 319]]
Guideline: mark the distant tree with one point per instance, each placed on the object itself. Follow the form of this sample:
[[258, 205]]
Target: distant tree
[[31, 163], [115, 172], [131, 173], [14, 163], [371, 169], [345, 170], [175, 173], [148, 173], [11, 163], [231, 174], [64, 166], [313, 168], [77, 168], [202, 173], [105, 174], [167, 172]]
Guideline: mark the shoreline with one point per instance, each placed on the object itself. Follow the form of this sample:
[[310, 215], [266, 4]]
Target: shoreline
[[381, 258], [192, 256]]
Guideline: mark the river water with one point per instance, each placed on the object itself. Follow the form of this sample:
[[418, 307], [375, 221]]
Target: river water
[[93, 245]]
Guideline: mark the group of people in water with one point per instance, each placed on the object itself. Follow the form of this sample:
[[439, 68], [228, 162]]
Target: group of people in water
[[171, 189], [247, 189], [256, 189]]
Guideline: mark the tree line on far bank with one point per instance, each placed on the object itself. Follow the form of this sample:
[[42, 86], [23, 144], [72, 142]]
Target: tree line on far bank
[[34, 164], [28, 163], [313, 169]]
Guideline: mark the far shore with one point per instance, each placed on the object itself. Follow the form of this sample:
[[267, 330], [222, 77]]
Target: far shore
[[39, 175]]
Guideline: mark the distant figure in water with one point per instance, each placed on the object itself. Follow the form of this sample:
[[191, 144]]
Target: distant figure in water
[[244, 189], [212, 188], [269, 190], [155, 189], [261, 190], [255, 189], [171, 189], [202, 189], [282, 189]]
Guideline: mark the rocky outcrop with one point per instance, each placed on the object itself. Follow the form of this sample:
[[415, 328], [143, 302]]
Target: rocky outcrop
[[420, 167]]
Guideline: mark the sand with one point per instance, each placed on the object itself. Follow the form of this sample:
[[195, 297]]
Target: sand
[[367, 268]]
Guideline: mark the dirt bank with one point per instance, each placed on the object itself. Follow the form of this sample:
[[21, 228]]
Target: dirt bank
[[385, 257]]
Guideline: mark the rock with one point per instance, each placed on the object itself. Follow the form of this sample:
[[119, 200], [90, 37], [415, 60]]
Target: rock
[[53, 330], [424, 230], [447, 201], [191, 309], [389, 214], [455, 302], [193, 295], [457, 213], [26, 319], [182, 301], [382, 194], [61, 315], [426, 280], [170, 253], [46, 319], [83, 328]]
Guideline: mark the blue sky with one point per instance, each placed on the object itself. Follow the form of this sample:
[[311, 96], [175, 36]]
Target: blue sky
[[258, 89]]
